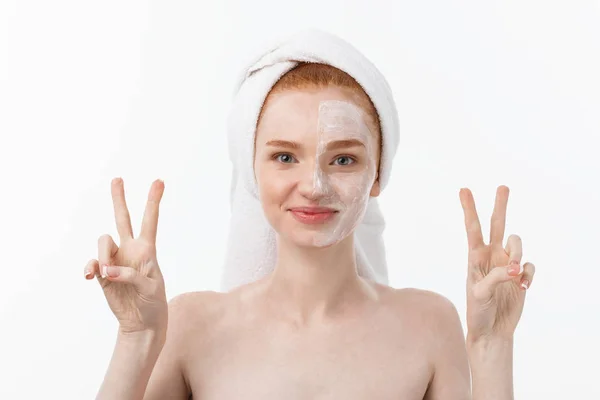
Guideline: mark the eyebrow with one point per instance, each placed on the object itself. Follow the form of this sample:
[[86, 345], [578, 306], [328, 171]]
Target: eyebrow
[[344, 144], [283, 143], [333, 145]]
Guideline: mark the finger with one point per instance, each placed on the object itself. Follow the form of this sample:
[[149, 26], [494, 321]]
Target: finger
[[127, 275], [484, 289], [528, 273], [514, 248], [498, 222], [91, 269], [107, 248], [150, 220], [472, 225], [122, 217]]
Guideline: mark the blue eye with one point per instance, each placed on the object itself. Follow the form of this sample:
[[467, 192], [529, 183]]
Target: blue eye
[[344, 160], [284, 158]]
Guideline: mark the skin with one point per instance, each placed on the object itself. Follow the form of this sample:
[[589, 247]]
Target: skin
[[313, 329], [336, 168]]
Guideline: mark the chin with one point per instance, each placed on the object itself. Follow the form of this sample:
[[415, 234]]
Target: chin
[[311, 238], [318, 242]]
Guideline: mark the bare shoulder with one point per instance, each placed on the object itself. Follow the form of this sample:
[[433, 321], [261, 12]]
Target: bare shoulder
[[424, 300], [193, 312], [424, 307], [195, 302]]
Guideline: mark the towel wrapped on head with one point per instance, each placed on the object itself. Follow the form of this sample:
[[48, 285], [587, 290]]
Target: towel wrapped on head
[[252, 243]]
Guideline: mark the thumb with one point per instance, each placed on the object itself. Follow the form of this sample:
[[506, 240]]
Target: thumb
[[484, 289], [126, 275]]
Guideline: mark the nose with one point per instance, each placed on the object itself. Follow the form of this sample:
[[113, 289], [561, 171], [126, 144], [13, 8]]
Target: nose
[[314, 183]]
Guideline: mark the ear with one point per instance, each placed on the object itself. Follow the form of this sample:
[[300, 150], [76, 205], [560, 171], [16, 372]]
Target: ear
[[376, 188]]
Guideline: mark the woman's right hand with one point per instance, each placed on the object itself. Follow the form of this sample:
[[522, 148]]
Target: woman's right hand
[[129, 273]]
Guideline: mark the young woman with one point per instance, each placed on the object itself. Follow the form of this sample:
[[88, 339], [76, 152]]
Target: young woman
[[313, 328]]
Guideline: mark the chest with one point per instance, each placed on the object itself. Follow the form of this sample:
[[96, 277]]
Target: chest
[[353, 362]]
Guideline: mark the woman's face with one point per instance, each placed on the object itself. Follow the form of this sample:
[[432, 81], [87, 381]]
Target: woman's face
[[316, 158]]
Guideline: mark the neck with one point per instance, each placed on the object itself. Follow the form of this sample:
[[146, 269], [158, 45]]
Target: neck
[[315, 283]]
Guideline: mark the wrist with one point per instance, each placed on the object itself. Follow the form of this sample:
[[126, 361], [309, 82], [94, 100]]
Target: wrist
[[490, 347], [489, 340], [142, 340], [491, 355]]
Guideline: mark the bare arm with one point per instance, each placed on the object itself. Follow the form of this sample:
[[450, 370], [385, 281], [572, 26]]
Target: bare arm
[[167, 381], [451, 377], [490, 360], [148, 366], [132, 362], [492, 368]]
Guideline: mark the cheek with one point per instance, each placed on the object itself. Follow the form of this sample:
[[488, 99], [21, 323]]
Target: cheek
[[272, 184], [353, 188]]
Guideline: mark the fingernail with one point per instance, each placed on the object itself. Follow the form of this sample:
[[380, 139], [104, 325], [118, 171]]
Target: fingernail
[[104, 271], [113, 272], [87, 274], [525, 284]]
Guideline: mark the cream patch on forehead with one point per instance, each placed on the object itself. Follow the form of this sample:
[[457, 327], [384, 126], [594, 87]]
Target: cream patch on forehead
[[337, 116]]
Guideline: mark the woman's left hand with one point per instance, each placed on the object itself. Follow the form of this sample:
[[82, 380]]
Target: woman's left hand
[[496, 283]]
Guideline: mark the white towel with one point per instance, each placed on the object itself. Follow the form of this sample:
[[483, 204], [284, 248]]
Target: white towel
[[252, 244]]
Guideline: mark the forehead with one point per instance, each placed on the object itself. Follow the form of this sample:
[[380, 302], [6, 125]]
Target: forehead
[[299, 114]]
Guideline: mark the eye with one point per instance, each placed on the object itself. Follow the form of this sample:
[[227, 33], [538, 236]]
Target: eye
[[344, 160], [284, 158]]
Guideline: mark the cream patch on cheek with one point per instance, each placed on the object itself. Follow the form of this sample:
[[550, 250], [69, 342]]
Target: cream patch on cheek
[[347, 191]]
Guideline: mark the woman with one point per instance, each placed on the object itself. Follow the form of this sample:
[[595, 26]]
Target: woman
[[318, 326]]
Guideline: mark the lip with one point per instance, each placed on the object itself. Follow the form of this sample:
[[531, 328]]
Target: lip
[[312, 215]]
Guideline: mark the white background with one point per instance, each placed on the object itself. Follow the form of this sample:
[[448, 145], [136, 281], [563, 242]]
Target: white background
[[488, 93]]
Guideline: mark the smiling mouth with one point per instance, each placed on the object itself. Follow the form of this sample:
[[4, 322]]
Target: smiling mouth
[[313, 215]]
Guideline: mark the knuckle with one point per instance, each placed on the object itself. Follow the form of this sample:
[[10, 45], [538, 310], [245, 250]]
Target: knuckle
[[516, 254]]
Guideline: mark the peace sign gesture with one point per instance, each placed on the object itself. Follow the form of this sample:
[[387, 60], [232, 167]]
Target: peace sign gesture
[[496, 283], [129, 273]]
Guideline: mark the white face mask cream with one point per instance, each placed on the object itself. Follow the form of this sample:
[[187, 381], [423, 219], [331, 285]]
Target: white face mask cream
[[343, 187]]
